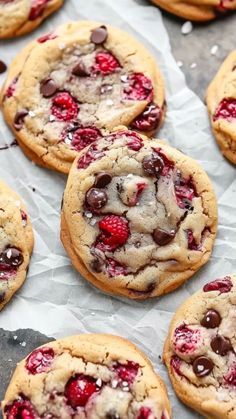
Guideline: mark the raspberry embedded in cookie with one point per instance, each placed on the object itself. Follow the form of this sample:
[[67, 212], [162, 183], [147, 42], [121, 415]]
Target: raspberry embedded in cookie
[[225, 110], [79, 389], [64, 107], [185, 191], [39, 360], [230, 377], [105, 63], [115, 268], [47, 37], [186, 340], [175, 363], [222, 285], [20, 409], [149, 119], [11, 88], [37, 9], [91, 155], [115, 233], [83, 137], [145, 413], [192, 244], [139, 88], [126, 372], [130, 189]]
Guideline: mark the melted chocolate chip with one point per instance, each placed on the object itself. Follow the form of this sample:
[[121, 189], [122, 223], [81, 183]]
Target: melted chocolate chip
[[12, 256], [48, 88], [19, 119], [2, 297], [97, 265], [80, 70], [3, 67], [211, 319], [162, 237], [112, 414], [153, 165], [221, 345], [102, 179], [96, 198], [202, 366], [99, 35]]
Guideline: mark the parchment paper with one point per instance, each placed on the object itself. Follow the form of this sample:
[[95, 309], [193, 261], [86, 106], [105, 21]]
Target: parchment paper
[[55, 300]]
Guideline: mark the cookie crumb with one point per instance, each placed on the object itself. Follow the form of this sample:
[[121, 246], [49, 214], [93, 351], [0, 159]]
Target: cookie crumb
[[14, 337], [23, 344], [214, 49], [187, 28]]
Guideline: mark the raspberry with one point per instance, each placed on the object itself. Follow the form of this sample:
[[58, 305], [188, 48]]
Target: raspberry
[[184, 191], [6, 272], [186, 340], [126, 372], [20, 409], [106, 63], [225, 110], [39, 360], [24, 217], [175, 363], [230, 378], [46, 38], [91, 155], [140, 88], [192, 244], [37, 9], [115, 232], [79, 389], [83, 137], [149, 119], [115, 268], [64, 107], [11, 88], [134, 141], [223, 285], [145, 413], [168, 164]]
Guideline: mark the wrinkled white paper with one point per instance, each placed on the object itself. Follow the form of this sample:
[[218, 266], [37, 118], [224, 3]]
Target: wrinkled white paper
[[55, 300]]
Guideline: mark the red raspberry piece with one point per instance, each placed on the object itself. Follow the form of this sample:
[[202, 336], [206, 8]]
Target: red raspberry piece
[[39, 360], [126, 372], [46, 38], [223, 285], [6, 272], [184, 191], [115, 233], [168, 164], [230, 378], [192, 244], [140, 187], [225, 110], [83, 137], [149, 119], [37, 9], [11, 88], [20, 409], [175, 363], [106, 63], [64, 107], [186, 340], [134, 141], [140, 88], [79, 389], [115, 268], [91, 155], [145, 413]]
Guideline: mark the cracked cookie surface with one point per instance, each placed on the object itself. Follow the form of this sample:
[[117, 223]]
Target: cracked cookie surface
[[86, 376], [66, 89], [16, 238], [138, 216], [221, 103], [199, 10], [18, 17], [200, 350]]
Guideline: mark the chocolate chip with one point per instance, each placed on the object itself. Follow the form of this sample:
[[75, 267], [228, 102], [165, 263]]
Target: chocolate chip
[[102, 179], [19, 119], [2, 297], [153, 165], [97, 265], [211, 319], [106, 88], [221, 345], [163, 237], [80, 70], [99, 35], [112, 414], [12, 256], [202, 366], [3, 67], [48, 88], [96, 198]]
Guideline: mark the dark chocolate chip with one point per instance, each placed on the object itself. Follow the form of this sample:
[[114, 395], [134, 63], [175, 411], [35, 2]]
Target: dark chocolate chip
[[106, 88], [62, 201], [48, 88], [102, 179], [2, 297], [163, 237], [19, 119], [80, 70], [12, 256], [97, 265], [211, 319], [221, 345], [112, 414], [202, 366], [99, 35], [96, 198], [3, 67], [153, 165]]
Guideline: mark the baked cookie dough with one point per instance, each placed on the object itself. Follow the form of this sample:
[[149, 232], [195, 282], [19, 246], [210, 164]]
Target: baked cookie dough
[[86, 376], [16, 243], [65, 90], [221, 103], [138, 216], [200, 350], [199, 10], [18, 17]]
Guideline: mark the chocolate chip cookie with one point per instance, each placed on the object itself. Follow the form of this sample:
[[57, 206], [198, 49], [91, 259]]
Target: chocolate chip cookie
[[65, 90], [86, 376], [199, 10], [16, 238], [200, 350], [18, 17], [138, 217], [221, 103]]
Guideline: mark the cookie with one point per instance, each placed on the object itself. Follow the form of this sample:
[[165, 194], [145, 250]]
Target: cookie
[[200, 350], [18, 17], [16, 238], [221, 103], [65, 90], [138, 217], [199, 10], [92, 376]]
